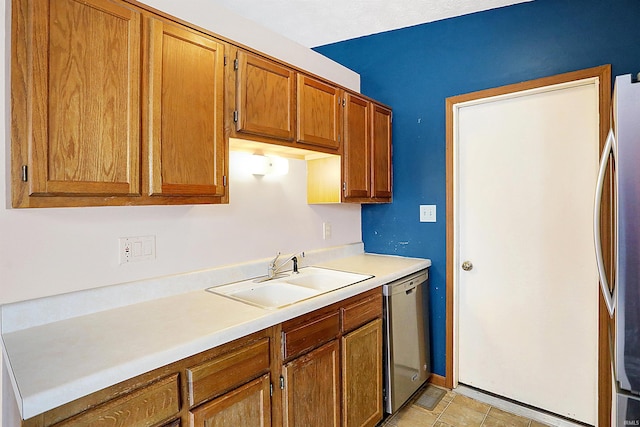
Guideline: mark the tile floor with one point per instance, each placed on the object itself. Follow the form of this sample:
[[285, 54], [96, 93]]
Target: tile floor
[[456, 410]]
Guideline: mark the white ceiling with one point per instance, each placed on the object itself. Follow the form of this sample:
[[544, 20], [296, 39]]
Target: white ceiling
[[318, 22]]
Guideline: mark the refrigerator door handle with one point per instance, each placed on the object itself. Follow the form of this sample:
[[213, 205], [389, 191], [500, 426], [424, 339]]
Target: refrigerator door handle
[[609, 296]]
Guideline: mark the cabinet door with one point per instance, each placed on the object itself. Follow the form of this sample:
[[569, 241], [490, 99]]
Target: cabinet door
[[356, 156], [381, 152], [186, 131], [77, 82], [362, 376], [265, 103], [319, 112], [248, 405], [312, 391]]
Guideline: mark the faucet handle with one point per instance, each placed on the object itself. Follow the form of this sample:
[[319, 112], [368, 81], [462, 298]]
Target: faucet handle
[[273, 261]]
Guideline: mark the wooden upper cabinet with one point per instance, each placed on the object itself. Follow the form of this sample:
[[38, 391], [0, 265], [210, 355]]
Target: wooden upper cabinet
[[319, 114], [265, 98], [381, 153], [357, 147], [75, 99], [187, 148]]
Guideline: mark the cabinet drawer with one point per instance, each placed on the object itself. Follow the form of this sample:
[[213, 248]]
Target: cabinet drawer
[[227, 371], [361, 312], [146, 406], [310, 335]]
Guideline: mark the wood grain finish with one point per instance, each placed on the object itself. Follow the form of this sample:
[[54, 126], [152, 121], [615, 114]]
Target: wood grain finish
[[362, 376], [186, 127], [233, 380], [310, 334], [361, 312], [249, 405], [381, 152], [227, 371], [134, 113], [319, 111], [357, 147], [145, 407], [75, 99], [312, 388], [265, 97]]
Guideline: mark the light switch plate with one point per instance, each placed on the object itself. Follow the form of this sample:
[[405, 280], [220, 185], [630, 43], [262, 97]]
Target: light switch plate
[[135, 249], [427, 213]]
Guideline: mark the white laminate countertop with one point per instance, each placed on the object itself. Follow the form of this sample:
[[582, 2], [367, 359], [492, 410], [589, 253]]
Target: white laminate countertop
[[55, 363]]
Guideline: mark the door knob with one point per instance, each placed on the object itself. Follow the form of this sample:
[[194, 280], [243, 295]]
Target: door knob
[[467, 266]]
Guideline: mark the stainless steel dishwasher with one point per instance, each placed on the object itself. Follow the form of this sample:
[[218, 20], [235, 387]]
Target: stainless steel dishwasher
[[406, 339]]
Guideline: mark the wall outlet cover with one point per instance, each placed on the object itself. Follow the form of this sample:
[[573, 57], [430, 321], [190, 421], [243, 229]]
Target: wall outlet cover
[[136, 249]]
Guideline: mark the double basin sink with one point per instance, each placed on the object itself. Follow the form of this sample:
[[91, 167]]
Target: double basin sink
[[288, 289]]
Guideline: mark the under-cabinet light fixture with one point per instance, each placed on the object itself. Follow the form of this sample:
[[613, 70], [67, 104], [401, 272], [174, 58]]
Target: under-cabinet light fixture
[[268, 165]]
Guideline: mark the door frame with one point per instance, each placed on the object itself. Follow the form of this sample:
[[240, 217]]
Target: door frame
[[603, 74]]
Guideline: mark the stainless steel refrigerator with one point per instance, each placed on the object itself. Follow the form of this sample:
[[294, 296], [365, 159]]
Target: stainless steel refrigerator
[[623, 147]]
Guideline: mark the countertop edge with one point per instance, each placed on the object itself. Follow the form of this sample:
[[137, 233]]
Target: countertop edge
[[39, 402]]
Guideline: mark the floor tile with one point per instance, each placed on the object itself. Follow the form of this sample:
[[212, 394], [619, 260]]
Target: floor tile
[[500, 418], [537, 424], [457, 410], [414, 416], [459, 415], [440, 407], [471, 403]]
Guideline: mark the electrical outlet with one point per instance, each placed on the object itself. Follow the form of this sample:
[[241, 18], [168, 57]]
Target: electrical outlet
[[427, 213], [135, 249], [326, 230]]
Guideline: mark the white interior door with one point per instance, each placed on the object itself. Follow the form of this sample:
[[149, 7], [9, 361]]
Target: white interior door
[[527, 310]]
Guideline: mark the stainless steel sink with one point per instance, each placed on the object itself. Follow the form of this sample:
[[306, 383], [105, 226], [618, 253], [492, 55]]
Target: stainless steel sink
[[283, 291]]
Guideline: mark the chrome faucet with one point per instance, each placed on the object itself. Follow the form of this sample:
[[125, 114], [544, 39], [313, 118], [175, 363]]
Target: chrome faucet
[[274, 268]]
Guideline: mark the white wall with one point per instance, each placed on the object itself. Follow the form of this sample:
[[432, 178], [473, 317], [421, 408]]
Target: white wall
[[51, 251], [224, 22]]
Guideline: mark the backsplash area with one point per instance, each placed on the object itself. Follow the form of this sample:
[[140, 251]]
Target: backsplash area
[[55, 251]]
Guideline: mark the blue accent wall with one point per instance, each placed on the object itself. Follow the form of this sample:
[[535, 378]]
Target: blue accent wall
[[414, 69]]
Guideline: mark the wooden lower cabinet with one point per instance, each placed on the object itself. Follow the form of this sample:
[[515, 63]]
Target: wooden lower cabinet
[[324, 369], [312, 388], [146, 406], [362, 376], [333, 374], [248, 405]]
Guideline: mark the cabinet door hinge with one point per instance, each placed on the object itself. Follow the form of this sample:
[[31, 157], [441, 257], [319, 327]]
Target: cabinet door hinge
[[235, 64], [391, 119], [270, 389], [281, 382], [344, 102], [224, 180], [225, 60], [339, 138], [235, 116], [25, 176], [344, 186]]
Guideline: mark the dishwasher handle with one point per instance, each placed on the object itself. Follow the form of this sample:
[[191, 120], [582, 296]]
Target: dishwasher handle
[[405, 286]]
